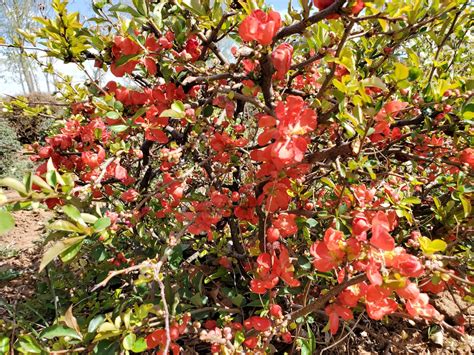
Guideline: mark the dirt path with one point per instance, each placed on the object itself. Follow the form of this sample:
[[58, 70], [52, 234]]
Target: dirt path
[[20, 252]]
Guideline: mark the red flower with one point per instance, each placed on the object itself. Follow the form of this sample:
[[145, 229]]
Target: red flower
[[124, 46], [380, 236], [322, 4], [251, 342], [129, 196], [276, 311], [409, 291], [324, 260], [260, 26], [409, 265], [286, 224], [334, 311], [360, 225], [284, 269], [260, 324], [276, 196], [420, 307], [273, 234], [378, 304], [467, 157], [281, 59], [270, 269], [93, 160], [357, 7], [373, 273]]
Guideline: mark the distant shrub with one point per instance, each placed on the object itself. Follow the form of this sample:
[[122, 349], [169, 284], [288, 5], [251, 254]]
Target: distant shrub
[[30, 116], [12, 163]]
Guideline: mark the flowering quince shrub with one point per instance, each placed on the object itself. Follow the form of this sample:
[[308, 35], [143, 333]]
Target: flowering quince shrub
[[248, 200]]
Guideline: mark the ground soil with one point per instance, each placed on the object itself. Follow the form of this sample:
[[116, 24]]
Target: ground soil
[[20, 253]]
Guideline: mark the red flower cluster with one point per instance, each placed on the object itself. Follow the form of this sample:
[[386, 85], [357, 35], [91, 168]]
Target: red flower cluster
[[295, 120], [271, 268], [333, 249], [260, 26], [158, 337], [125, 48]]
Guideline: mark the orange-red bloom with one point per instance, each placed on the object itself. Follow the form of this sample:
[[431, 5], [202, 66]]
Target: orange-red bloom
[[260, 26], [281, 59]]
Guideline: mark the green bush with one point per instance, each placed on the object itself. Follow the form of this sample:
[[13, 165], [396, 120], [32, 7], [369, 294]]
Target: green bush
[[30, 116], [12, 162]]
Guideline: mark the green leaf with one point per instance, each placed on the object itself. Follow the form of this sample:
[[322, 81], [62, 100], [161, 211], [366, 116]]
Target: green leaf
[[62, 225], [57, 331], [466, 205], [28, 182], [374, 82], [4, 345], [73, 213], [129, 341], [328, 182], [13, 184], [414, 73], [239, 338], [101, 224], [95, 323], [89, 218], [432, 246], [26, 344], [172, 113], [106, 347], [113, 115], [125, 59], [178, 106], [124, 8], [6, 222], [71, 252], [411, 200], [401, 72], [41, 183], [141, 6], [57, 249], [139, 346], [118, 128]]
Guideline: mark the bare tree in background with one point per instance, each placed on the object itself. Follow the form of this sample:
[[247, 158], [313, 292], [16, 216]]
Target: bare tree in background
[[14, 15]]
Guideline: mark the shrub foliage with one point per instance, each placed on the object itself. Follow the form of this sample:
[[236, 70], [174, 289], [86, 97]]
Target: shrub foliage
[[246, 200]]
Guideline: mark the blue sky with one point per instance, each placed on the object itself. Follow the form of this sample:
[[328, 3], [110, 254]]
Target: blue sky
[[84, 6], [10, 84]]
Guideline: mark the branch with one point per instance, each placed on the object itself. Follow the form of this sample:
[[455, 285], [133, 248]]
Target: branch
[[213, 35], [345, 149], [321, 301], [308, 61], [266, 80], [248, 99], [329, 77], [301, 26], [443, 42]]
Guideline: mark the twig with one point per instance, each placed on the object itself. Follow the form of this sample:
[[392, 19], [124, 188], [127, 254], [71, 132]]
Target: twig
[[452, 275], [300, 26], [351, 331], [114, 273], [329, 77], [68, 351], [248, 99], [166, 313], [321, 301], [441, 45]]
